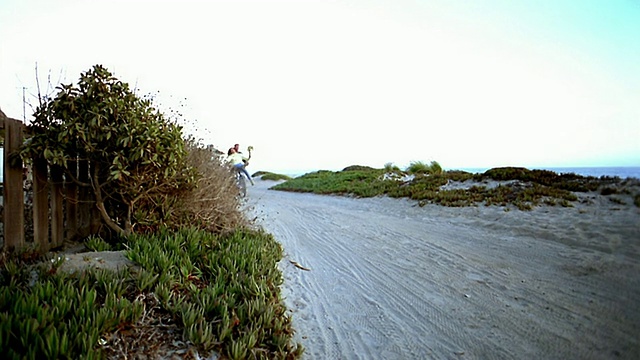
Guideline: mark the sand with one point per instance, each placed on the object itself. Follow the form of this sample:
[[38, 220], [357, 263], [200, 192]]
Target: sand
[[383, 278]]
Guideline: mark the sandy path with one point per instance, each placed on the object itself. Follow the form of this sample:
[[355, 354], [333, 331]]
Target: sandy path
[[389, 280]]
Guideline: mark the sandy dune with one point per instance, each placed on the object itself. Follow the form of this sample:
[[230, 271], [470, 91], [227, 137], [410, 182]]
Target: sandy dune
[[391, 280]]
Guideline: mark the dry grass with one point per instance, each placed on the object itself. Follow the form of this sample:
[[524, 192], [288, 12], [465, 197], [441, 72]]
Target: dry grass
[[214, 204]]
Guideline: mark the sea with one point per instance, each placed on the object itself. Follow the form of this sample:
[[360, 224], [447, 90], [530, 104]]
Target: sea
[[622, 172]]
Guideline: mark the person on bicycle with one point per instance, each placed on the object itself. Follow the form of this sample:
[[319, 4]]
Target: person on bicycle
[[245, 160], [238, 161]]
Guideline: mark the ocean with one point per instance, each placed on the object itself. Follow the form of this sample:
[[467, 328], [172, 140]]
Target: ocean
[[622, 172]]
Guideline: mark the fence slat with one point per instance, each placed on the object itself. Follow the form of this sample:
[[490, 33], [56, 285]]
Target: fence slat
[[84, 200], [13, 186], [40, 204], [71, 193], [57, 212]]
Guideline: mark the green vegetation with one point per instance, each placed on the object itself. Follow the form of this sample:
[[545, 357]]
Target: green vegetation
[[136, 155], [220, 293], [569, 182], [520, 187], [143, 173], [265, 175], [418, 167], [95, 243], [203, 280], [358, 168], [391, 168], [362, 183]]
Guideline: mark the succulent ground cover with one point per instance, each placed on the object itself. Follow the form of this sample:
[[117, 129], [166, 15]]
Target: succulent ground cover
[[191, 294], [520, 187]]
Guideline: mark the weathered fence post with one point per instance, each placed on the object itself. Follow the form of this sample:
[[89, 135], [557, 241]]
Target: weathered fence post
[[40, 204], [61, 209], [57, 212], [84, 200], [71, 190], [13, 185]]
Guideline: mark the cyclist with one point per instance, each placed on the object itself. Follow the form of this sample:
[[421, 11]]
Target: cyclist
[[238, 161]]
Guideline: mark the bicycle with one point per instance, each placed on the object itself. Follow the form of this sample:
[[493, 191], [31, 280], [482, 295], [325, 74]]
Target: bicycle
[[241, 182], [240, 179]]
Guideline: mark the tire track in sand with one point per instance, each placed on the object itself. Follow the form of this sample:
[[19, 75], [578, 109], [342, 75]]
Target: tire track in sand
[[388, 282]]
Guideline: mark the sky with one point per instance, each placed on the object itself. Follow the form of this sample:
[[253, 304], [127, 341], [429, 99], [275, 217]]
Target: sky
[[325, 84]]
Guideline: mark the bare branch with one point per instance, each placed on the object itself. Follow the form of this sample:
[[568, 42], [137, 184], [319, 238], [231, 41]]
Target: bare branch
[[38, 86]]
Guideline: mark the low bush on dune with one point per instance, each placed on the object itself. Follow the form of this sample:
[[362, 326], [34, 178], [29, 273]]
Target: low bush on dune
[[568, 181], [265, 175], [360, 183], [459, 175], [519, 187], [358, 168]]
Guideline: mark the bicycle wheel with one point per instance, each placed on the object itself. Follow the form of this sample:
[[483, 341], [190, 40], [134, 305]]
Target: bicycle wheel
[[242, 184]]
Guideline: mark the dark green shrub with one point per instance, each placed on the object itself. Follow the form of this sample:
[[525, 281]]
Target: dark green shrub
[[608, 191], [459, 175], [616, 200], [565, 203], [273, 177], [358, 168], [137, 154], [506, 173]]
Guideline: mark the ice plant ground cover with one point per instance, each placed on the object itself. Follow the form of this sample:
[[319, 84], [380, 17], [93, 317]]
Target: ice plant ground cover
[[191, 292]]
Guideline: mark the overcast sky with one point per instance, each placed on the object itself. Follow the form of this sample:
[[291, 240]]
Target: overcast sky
[[327, 84]]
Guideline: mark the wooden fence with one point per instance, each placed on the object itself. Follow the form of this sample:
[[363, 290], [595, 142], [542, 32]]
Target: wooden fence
[[61, 210]]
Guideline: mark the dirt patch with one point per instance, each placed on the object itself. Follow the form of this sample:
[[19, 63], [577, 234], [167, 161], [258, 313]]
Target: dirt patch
[[110, 260]]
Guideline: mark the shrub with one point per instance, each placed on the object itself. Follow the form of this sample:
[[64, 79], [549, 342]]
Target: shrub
[[617, 201], [391, 168], [506, 173], [358, 168], [362, 182], [273, 177], [213, 203], [135, 154], [459, 175]]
